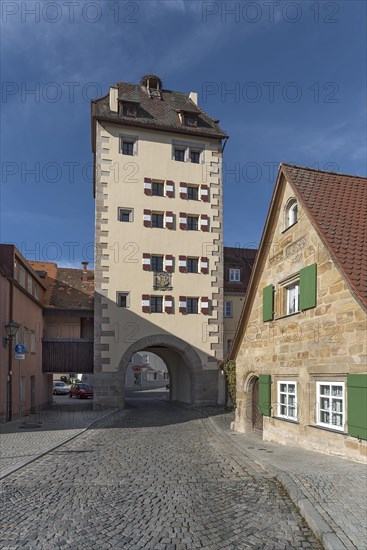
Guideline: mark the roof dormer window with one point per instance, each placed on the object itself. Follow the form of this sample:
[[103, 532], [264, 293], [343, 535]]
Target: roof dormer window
[[130, 109], [190, 120]]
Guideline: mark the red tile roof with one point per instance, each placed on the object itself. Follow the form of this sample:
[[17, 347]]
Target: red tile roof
[[337, 206], [65, 288]]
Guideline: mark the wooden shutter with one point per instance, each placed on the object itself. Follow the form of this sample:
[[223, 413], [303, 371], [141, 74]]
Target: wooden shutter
[[357, 405], [169, 220], [204, 222], [204, 302], [183, 220], [145, 303], [183, 304], [146, 261], [204, 265], [265, 394], [307, 286], [183, 190], [147, 218], [268, 303], [182, 264], [168, 304], [204, 193], [170, 189], [147, 186], [168, 263]]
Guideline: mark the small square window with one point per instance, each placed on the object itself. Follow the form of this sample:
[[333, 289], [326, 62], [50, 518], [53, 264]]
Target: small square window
[[192, 265], [156, 304], [292, 298], [123, 299], [192, 223], [127, 147], [235, 275], [228, 309], [125, 214], [157, 220], [192, 192], [157, 263], [158, 189], [195, 156], [179, 154], [192, 305]]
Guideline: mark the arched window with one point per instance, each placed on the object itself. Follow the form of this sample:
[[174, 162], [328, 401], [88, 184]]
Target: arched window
[[291, 213]]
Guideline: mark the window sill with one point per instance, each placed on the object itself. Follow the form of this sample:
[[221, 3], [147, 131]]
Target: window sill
[[334, 431], [289, 227], [287, 316], [286, 420]]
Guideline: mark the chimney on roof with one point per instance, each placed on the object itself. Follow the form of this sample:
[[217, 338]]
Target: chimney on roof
[[85, 272], [113, 99], [194, 97]]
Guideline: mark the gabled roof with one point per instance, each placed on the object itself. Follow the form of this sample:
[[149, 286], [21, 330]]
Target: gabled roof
[[337, 207], [155, 113], [65, 288]]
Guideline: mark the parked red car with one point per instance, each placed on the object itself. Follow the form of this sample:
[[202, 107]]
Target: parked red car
[[81, 391]]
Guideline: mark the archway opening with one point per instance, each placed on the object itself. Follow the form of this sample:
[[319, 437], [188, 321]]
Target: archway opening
[[147, 376], [256, 415]]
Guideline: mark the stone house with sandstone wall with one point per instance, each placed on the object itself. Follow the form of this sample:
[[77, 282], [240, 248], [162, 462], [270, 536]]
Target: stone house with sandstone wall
[[300, 347]]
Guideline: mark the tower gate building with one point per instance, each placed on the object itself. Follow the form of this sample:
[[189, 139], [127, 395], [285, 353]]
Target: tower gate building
[[159, 253]]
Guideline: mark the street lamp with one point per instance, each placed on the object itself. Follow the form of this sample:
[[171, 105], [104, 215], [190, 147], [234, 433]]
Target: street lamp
[[11, 330]]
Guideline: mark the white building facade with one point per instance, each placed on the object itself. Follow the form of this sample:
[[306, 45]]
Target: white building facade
[[159, 264]]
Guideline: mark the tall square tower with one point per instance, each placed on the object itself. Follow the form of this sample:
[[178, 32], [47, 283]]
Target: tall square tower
[[159, 253]]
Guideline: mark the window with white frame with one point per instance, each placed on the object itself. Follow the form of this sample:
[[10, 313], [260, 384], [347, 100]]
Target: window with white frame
[[192, 305], [235, 275], [228, 309], [165, 375], [29, 284], [330, 405], [187, 152], [151, 376], [123, 299], [36, 291], [158, 188], [287, 400], [30, 341], [292, 298], [291, 213]]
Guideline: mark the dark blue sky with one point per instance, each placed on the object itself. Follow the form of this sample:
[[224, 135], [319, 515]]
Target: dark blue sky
[[286, 79]]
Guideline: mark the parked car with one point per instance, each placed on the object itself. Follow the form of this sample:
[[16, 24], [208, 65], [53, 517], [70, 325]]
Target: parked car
[[60, 388], [81, 391]]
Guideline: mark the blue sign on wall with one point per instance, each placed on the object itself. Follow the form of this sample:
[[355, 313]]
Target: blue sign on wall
[[19, 348]]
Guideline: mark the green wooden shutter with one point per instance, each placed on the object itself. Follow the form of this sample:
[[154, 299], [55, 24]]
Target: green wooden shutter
[[268, 303], [357, 405], [307, 286], [265, 394]]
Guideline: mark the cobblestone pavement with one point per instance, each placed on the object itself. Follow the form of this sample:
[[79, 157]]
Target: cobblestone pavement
[[22, 442], [160, 477], [331, 492]]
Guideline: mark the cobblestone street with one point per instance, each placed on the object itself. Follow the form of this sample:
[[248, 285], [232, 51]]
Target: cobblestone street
[[159, 477]]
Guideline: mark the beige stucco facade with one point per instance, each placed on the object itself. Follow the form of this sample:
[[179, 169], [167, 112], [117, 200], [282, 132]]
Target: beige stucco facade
[[119, 266], [321, 344]]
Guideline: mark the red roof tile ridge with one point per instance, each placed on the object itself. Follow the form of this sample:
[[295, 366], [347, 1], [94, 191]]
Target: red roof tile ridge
[[310, 169]]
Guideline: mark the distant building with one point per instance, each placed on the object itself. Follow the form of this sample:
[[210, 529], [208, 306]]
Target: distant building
[[159, 231], [24, 387], [301, 346], [68, 318]]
